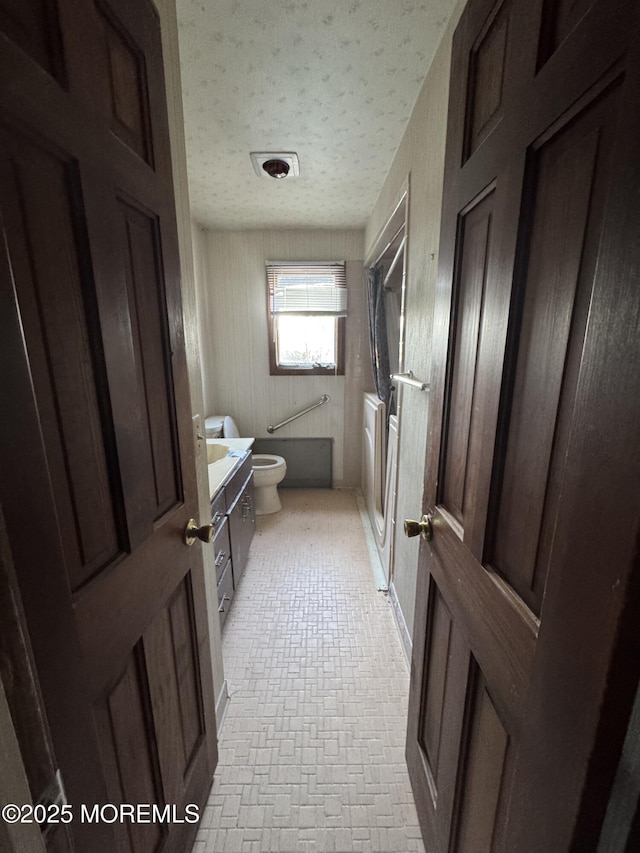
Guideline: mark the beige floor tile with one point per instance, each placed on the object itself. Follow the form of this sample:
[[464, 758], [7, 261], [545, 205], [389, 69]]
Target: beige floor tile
[[312, 745]]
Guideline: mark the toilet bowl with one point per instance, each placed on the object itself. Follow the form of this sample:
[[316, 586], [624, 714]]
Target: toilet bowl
[[268, 470]]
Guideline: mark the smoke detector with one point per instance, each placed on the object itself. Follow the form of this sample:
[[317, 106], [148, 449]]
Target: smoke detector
[[275, 164]]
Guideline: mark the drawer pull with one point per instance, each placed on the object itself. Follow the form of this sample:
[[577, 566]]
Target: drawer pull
[[225, 597], [220, 558], [247, 506]]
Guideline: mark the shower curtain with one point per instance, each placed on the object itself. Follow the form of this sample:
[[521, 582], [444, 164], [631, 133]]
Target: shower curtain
[[378, 337]]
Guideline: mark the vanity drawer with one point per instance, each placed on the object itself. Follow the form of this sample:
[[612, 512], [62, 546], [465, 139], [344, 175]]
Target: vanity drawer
[[222, 547], [225, 592]]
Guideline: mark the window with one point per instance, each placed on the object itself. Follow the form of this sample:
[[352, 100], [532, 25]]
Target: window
[[307, 306]]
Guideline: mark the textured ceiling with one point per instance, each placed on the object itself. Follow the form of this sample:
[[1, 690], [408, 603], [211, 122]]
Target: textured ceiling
[[333, 80]]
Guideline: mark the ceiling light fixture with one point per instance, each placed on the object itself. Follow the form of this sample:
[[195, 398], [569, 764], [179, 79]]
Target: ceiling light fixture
[[276, 168], [275, 164]]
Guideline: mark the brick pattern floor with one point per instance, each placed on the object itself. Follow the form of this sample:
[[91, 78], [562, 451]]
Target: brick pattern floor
[[312, 746]]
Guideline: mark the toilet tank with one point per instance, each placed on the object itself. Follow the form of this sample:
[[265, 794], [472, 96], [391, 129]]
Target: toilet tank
[[229, 428], [213, 426]]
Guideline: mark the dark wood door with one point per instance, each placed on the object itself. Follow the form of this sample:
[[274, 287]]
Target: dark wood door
[[524, 656], [96, 465]]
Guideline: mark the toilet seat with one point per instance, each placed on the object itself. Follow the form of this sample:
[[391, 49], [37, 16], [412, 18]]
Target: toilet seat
[[265, 460], [268, 468]]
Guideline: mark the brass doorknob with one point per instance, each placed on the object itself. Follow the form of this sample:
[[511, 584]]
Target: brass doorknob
[[423, 528], [193, 532]]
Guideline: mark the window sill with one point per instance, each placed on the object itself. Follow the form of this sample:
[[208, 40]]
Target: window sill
[[289, 370]]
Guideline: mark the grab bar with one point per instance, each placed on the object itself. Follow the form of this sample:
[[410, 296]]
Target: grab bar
[[409, 379], [324, 399]]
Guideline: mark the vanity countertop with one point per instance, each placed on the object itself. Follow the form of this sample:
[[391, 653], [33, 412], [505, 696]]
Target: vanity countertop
[[220, 469]]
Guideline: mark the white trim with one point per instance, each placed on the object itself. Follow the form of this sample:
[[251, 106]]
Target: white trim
[[403, 630], [222, 705], [374, 556], [385, 232]]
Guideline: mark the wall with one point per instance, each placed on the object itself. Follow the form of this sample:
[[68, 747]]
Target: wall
[[232, 298], [167, 12], [420, 159], [199, 244]]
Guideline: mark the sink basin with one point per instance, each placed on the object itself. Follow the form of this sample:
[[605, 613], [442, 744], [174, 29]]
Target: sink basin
[[215, 452]]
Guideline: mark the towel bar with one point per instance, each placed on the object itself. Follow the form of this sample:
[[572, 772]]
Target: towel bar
[[409, 379]]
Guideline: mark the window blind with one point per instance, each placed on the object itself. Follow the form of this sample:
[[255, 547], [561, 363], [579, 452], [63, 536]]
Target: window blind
[[313, 289]]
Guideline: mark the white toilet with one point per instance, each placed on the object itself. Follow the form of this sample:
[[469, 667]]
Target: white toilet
[[268, 469]]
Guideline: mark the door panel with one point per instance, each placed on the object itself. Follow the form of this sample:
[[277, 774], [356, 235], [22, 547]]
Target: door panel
[[172, 663], [92, 316], [128, 105], [559, 19], [129, 755], [487, 69], [539, 137], [143, 271], [475, 237], [571, 175], [485, 748], [34, 27], [40, 191], [437, 680], [446, 669]]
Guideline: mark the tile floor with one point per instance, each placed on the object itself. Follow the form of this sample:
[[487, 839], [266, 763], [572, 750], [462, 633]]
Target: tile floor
[[312, 746]]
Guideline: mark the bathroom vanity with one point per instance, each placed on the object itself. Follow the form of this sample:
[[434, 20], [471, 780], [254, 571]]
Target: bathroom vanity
[[232, 514]]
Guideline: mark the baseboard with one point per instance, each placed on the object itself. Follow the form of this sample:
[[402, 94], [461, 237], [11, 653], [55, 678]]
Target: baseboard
[[374, 557], [403, 630], [221, 705]]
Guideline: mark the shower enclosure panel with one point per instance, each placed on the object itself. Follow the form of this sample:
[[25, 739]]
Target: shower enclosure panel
[[379, 476]]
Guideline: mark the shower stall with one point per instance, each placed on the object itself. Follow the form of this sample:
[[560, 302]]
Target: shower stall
[[386, 281]]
